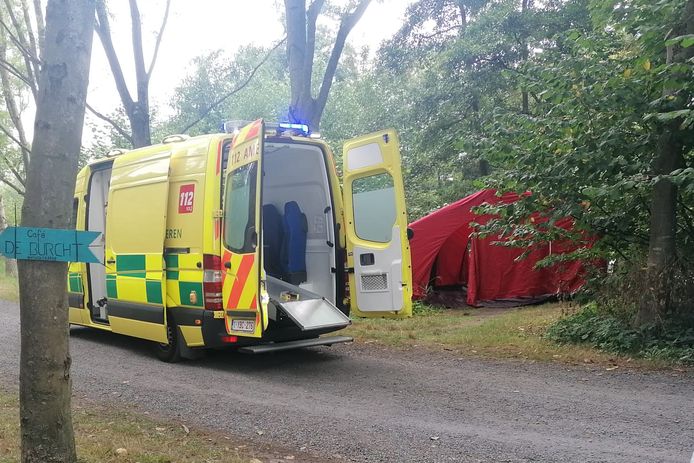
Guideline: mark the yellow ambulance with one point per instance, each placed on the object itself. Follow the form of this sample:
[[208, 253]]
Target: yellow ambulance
[[242, 239]]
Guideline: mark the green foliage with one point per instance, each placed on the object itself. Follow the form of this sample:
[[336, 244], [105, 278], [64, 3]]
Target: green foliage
[[421, 309], [608, 332], [586, 152], [215, 76], [602, 97], [445, 79]]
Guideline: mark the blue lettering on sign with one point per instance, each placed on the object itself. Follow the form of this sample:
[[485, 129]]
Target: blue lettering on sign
[[50, 244]]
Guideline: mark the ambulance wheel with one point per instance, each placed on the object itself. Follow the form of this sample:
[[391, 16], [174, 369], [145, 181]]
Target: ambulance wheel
[[170, 352]]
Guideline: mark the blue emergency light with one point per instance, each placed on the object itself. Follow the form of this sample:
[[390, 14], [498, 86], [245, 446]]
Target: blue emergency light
[[303, 128]]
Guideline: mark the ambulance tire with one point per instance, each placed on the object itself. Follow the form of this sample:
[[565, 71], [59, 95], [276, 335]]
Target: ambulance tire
[[171, 352]]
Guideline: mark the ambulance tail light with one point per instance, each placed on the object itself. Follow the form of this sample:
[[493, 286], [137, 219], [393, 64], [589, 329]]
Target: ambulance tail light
[[212, 281]]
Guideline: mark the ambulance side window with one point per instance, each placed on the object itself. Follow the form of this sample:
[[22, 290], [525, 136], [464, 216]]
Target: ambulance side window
[[226, 148], [239, 209]]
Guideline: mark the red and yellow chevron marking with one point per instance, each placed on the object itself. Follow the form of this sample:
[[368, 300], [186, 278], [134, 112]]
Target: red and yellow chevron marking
[[246, 146], [240, 285], [248, 132]]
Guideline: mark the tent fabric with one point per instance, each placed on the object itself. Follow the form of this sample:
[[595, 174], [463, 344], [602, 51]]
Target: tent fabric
[[444, 253]]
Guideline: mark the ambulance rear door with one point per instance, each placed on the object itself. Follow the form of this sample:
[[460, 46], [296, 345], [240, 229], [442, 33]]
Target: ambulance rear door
[[378, 251], [243, 277]]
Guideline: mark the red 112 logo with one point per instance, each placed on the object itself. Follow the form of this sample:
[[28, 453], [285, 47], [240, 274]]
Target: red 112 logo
[[185, 198]]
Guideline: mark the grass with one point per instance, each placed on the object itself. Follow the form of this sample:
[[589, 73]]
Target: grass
[[9, 286], [101, 431], [495, 333]]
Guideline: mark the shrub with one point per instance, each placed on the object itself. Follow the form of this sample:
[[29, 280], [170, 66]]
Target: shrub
[[606, 330]]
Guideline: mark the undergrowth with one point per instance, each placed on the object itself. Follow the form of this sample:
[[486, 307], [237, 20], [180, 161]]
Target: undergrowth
[[608, 331], [419, 308]]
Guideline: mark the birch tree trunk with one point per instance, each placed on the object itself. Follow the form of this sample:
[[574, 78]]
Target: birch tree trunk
[[44, 383]]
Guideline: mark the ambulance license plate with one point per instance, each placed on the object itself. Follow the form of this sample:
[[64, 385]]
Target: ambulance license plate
[[243, 325]]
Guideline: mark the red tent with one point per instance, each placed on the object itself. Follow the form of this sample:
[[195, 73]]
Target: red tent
[[445, 254]]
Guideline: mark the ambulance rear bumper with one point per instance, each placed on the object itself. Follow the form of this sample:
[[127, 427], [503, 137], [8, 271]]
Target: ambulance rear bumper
[[287, 345]]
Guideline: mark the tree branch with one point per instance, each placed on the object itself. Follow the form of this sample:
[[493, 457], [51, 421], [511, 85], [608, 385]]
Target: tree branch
[[235, 90], [35, 61], [441, 32], [13, 111], [111, 122], [348, 22], [11, 185], [15, 172], [14, 139], [140, 73], [311, 18], [13, 37], [6, 65], [103, 30], [40, 26], [159, 36], [21, 43], [295, 12]]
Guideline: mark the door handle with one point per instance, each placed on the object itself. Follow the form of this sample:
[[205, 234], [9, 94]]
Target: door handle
[[227, 264], [111, 261]]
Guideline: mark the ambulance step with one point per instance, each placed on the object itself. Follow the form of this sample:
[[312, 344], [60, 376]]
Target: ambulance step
[[314, 314], [307, 310], [279, 346]]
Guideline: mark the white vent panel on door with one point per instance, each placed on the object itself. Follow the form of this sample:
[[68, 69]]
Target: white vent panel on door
[[377, 282]]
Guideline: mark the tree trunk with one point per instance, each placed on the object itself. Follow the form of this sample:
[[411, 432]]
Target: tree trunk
[[44, 383], [137, 107], [525, 103], [663, 224], [10, 264], [301, 36], [138, 116]]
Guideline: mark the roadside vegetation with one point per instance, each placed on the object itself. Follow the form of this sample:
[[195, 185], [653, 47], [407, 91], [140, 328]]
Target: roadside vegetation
[[105, 435], [560, 331], [547, 332], [9, 287]]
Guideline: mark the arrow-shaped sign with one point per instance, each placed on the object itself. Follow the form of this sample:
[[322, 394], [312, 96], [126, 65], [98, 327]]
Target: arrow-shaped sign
[[32, 243]]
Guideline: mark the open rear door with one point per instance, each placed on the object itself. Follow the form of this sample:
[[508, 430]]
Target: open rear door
[[376, 227], [135, 229], [243, 287]]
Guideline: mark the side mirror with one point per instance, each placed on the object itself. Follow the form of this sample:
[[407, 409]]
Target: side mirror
[[410, 233]]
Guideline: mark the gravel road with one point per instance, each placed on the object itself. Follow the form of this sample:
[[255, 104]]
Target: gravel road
[[369, 404]]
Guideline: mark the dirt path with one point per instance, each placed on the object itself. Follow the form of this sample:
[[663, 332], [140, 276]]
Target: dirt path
[[367, 404]]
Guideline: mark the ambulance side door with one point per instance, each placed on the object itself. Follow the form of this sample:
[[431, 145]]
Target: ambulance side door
[[135, 231], [378, 251], [243, 276]]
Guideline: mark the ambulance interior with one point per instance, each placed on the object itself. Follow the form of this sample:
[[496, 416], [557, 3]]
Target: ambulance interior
[[298, 221], [96, 221]]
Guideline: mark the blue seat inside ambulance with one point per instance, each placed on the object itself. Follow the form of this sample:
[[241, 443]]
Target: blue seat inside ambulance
[[273, 235], [294, 244]]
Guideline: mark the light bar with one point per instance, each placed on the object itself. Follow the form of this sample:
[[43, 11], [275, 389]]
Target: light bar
[[303, 128], [234, 126]]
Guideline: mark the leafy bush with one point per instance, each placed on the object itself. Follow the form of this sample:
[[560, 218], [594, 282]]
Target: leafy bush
[[607, 331]]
